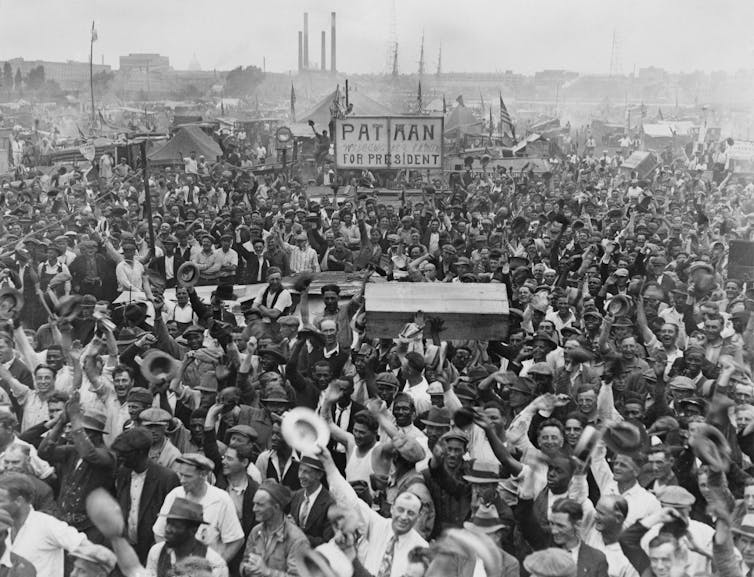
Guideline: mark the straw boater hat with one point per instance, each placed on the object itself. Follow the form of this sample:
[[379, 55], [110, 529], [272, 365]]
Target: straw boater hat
[[483, 472]]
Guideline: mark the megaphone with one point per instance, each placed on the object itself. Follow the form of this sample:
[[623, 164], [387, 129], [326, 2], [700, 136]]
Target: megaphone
[[304, 430], [158, 366], [187, 275], [11, 302]]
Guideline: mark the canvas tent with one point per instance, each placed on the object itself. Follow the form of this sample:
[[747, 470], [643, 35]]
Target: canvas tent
[[363, 105], [461, 122], [188, 138]]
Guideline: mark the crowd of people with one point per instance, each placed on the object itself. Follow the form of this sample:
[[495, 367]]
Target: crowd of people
[[609, 431]]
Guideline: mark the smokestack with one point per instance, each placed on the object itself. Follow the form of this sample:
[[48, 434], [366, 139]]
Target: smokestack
[[323, 60], [332, 43], [300, 50], [306, 40]]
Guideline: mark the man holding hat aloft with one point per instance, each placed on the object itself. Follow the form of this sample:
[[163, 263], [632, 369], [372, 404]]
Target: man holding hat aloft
[[390, 539], [182, 522], [83, 466], [222, 530], [276, 543]]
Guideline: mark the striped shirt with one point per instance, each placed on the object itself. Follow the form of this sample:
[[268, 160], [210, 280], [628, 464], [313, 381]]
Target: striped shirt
[[302, 260]]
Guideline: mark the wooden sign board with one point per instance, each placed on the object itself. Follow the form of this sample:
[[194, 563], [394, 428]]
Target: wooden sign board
[[470, 311], [741, 260]]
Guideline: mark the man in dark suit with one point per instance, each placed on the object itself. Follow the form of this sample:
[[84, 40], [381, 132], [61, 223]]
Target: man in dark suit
[[241, 488], [93, 273], [310, 503], [343, 413], [255, 264], [137, 475], [565, 528], [168, 264]]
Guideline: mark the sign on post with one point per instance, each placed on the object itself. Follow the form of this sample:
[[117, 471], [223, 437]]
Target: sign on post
[[379, 142]]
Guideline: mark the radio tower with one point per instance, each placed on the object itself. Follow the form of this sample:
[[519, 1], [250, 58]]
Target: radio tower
[[421, 57], [392, 41], [439, 62], [616, 66]]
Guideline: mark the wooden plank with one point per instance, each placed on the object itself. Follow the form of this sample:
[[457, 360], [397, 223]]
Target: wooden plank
[[469, 298], [458, 326]]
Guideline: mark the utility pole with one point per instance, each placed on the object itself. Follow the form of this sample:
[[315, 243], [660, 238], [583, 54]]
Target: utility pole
[[421, 57], [439, 62]]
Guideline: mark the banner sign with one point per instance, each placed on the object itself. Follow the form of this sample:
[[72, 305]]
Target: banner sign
[[87, 151], [389, 142]]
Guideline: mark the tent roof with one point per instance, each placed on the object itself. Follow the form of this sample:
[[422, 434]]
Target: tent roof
[[188, 138], [363, 105], [461, 122], [658, 130]]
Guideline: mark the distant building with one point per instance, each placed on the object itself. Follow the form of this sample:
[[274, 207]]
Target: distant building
[[69, 75], [143, 62]]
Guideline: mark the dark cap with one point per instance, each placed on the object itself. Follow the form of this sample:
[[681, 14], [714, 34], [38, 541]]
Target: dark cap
[[134, 439]]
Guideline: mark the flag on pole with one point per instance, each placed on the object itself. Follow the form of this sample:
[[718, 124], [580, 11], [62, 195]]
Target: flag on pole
[[659, 113], [94, 33], [481, 100], [293, 103], [505, 120], [459, 100]]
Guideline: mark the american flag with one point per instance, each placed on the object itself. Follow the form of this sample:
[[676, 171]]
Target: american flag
[[506, 124]]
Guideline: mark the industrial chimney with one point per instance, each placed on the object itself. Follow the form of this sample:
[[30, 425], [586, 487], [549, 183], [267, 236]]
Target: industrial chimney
[[300, 50], [306, 40], [323, 59], [333, 69]]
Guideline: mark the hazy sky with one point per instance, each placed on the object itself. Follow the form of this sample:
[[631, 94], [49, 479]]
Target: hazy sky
[[476, 35]]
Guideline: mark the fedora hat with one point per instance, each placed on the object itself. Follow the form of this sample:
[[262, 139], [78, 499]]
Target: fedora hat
[[225, 292], [711, 447], [187, 275], [274, 352], [551, 340], [485, 520], [185, 510], [326, 560], [437, 417], [94, 421], [11, 302], [304, 430], [483, 472], [623, 437], [158, 366], [588, 440], [619, 305]]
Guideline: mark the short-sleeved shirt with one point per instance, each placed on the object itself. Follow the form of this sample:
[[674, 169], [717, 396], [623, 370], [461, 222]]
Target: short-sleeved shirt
[[222, 524]]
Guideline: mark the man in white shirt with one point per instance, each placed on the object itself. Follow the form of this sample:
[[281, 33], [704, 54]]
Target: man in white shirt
[[274, 300], [417, 386], [222, 530], [130, 272], [37, 537], [190, 163], [228, 259], [390, 539]]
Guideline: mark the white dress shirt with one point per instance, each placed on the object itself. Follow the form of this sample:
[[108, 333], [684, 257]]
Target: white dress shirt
[[137, 487], [42, 541]]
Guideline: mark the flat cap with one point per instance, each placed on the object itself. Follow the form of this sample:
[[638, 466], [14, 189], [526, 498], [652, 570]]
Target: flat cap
[[675, 496], [550, 563], [197, 460], [278, 492], [246, 430], [140, 395], [155, 416]]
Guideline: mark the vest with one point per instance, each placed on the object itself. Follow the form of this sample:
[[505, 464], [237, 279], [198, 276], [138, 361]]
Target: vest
[[266, 293], [164, 565]]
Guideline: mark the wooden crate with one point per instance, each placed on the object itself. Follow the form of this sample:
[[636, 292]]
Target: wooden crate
[[471, 311]]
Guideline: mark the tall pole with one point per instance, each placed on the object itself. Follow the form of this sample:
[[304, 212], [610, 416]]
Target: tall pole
[[147, 196], [91, 74]]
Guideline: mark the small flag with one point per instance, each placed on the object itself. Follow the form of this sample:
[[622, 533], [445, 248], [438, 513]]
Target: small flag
[[659, 113], [505, 119], [459, 100], [481, 99], [94, 33], [293, 103], [444, 105]]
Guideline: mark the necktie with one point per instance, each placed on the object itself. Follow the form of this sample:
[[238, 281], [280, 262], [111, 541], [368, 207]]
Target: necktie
[[304, 513], [386, 565]]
